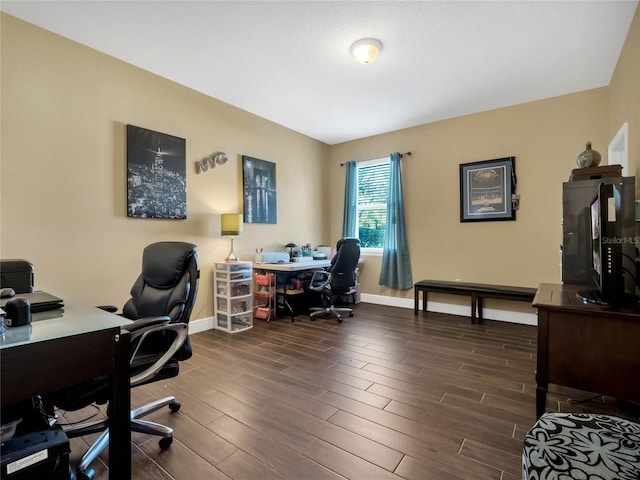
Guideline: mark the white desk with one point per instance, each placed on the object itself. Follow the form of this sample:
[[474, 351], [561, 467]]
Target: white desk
[[292, 266], [284, 271]]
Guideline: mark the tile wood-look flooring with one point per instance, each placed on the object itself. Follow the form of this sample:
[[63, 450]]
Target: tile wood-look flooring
[[384, 395]]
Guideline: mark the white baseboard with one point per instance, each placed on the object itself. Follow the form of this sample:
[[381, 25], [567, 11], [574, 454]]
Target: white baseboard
[[465, 310], [200, 325], [203, 324]]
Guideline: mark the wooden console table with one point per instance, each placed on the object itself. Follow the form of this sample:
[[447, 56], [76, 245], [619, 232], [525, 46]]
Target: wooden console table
[[585, 346]]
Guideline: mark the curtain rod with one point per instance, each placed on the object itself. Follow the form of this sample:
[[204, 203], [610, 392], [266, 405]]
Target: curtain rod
[[408, 154]]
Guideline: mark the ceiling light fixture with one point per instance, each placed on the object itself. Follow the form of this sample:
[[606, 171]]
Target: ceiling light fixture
[[366, 50]]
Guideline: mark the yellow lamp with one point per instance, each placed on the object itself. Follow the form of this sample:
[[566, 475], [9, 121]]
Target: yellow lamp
[[231, 226]]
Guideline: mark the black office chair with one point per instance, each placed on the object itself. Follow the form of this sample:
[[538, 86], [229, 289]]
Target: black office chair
[[17, 274], [337, 280], [162, 299]]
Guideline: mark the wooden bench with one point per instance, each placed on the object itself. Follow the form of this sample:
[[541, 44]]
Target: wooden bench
[[477, 291]]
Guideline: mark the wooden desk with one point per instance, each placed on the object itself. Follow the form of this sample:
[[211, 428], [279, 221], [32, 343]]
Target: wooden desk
[[284, 271], [585, 346], [65, 347]]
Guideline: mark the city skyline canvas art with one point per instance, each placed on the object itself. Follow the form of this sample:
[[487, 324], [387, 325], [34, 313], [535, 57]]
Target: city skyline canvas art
[[156, 174], [259, 189]]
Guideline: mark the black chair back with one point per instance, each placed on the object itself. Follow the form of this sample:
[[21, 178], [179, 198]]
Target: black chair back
[[343, 265], [167, 286]]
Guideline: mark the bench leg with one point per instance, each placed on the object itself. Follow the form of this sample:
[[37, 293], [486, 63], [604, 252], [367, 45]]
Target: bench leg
[[480, 309], [416, 298], [474, 300]]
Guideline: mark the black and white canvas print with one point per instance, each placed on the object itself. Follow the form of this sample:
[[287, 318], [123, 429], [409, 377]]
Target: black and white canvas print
[[259, 178], [156, 174]]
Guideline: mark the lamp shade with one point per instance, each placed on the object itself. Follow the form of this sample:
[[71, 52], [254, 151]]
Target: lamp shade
[[366, 50], [231, 225]]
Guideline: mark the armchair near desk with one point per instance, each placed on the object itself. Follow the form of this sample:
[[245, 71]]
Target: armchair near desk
[[162, 299], [338, 279]]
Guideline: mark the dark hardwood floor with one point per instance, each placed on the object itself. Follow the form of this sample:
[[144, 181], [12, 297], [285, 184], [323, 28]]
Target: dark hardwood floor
[[384, 395]]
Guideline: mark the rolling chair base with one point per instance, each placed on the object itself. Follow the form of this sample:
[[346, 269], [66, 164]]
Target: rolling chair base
[[330, 311], [137, 425]]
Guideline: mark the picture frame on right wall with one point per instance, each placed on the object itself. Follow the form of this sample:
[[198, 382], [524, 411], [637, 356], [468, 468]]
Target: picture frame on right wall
[[259, 190], [486, 190]]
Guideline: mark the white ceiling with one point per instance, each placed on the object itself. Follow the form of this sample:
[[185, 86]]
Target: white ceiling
[[289, 61]]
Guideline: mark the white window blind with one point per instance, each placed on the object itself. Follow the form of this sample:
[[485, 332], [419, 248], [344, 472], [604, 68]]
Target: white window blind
[[373, 188]]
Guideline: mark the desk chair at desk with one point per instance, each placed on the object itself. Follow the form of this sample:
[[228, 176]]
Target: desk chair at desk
[[338, 279], [162, 299]]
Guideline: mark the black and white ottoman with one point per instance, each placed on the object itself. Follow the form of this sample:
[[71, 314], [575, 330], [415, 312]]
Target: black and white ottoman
[[572, 446]]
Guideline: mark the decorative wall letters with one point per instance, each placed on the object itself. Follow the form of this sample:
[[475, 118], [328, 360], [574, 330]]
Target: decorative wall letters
[[218, 158]]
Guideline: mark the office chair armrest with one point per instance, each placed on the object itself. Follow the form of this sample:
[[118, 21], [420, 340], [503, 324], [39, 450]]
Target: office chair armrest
[[181, 332], [142, 323], [319, 280], [140, 329]]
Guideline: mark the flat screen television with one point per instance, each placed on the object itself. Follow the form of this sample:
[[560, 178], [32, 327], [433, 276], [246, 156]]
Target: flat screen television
[[612, 248]]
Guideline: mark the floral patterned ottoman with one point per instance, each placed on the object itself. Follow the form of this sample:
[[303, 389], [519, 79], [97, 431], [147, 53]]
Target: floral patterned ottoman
[[570, 446]]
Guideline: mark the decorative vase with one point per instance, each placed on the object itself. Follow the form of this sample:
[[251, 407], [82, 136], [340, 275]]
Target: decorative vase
[[589, 158]]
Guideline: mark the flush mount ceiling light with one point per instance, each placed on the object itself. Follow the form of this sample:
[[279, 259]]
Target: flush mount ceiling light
[[366, 50]]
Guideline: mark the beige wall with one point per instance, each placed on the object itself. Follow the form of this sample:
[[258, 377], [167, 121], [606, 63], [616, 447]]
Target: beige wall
[[544, 136], [64, 110], [624, 94], [63, 176]]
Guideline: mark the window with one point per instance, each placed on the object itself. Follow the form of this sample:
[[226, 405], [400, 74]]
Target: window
[[371, 211]]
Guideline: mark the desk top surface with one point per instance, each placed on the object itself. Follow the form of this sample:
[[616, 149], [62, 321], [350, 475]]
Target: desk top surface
[[73, 319], [293, 266]]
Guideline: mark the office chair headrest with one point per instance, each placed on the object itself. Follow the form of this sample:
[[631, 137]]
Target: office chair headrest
[[157, 269], [346, 240]]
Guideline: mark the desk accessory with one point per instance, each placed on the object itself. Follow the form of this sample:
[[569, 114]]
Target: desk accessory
[[40, 301], [328, 252], [18, 312], [272, 257], [290, 246]]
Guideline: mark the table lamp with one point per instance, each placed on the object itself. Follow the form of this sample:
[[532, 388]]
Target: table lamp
[[290, 246], [231, 226]]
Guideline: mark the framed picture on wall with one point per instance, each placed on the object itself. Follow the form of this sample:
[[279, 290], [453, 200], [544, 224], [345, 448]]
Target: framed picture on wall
[[156, 174], [486, 190], [259, 189]]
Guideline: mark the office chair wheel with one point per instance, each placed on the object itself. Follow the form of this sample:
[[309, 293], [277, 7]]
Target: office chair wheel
[[339, 319], [351, 314], [87, 474], [175, 406], [165, 442]]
